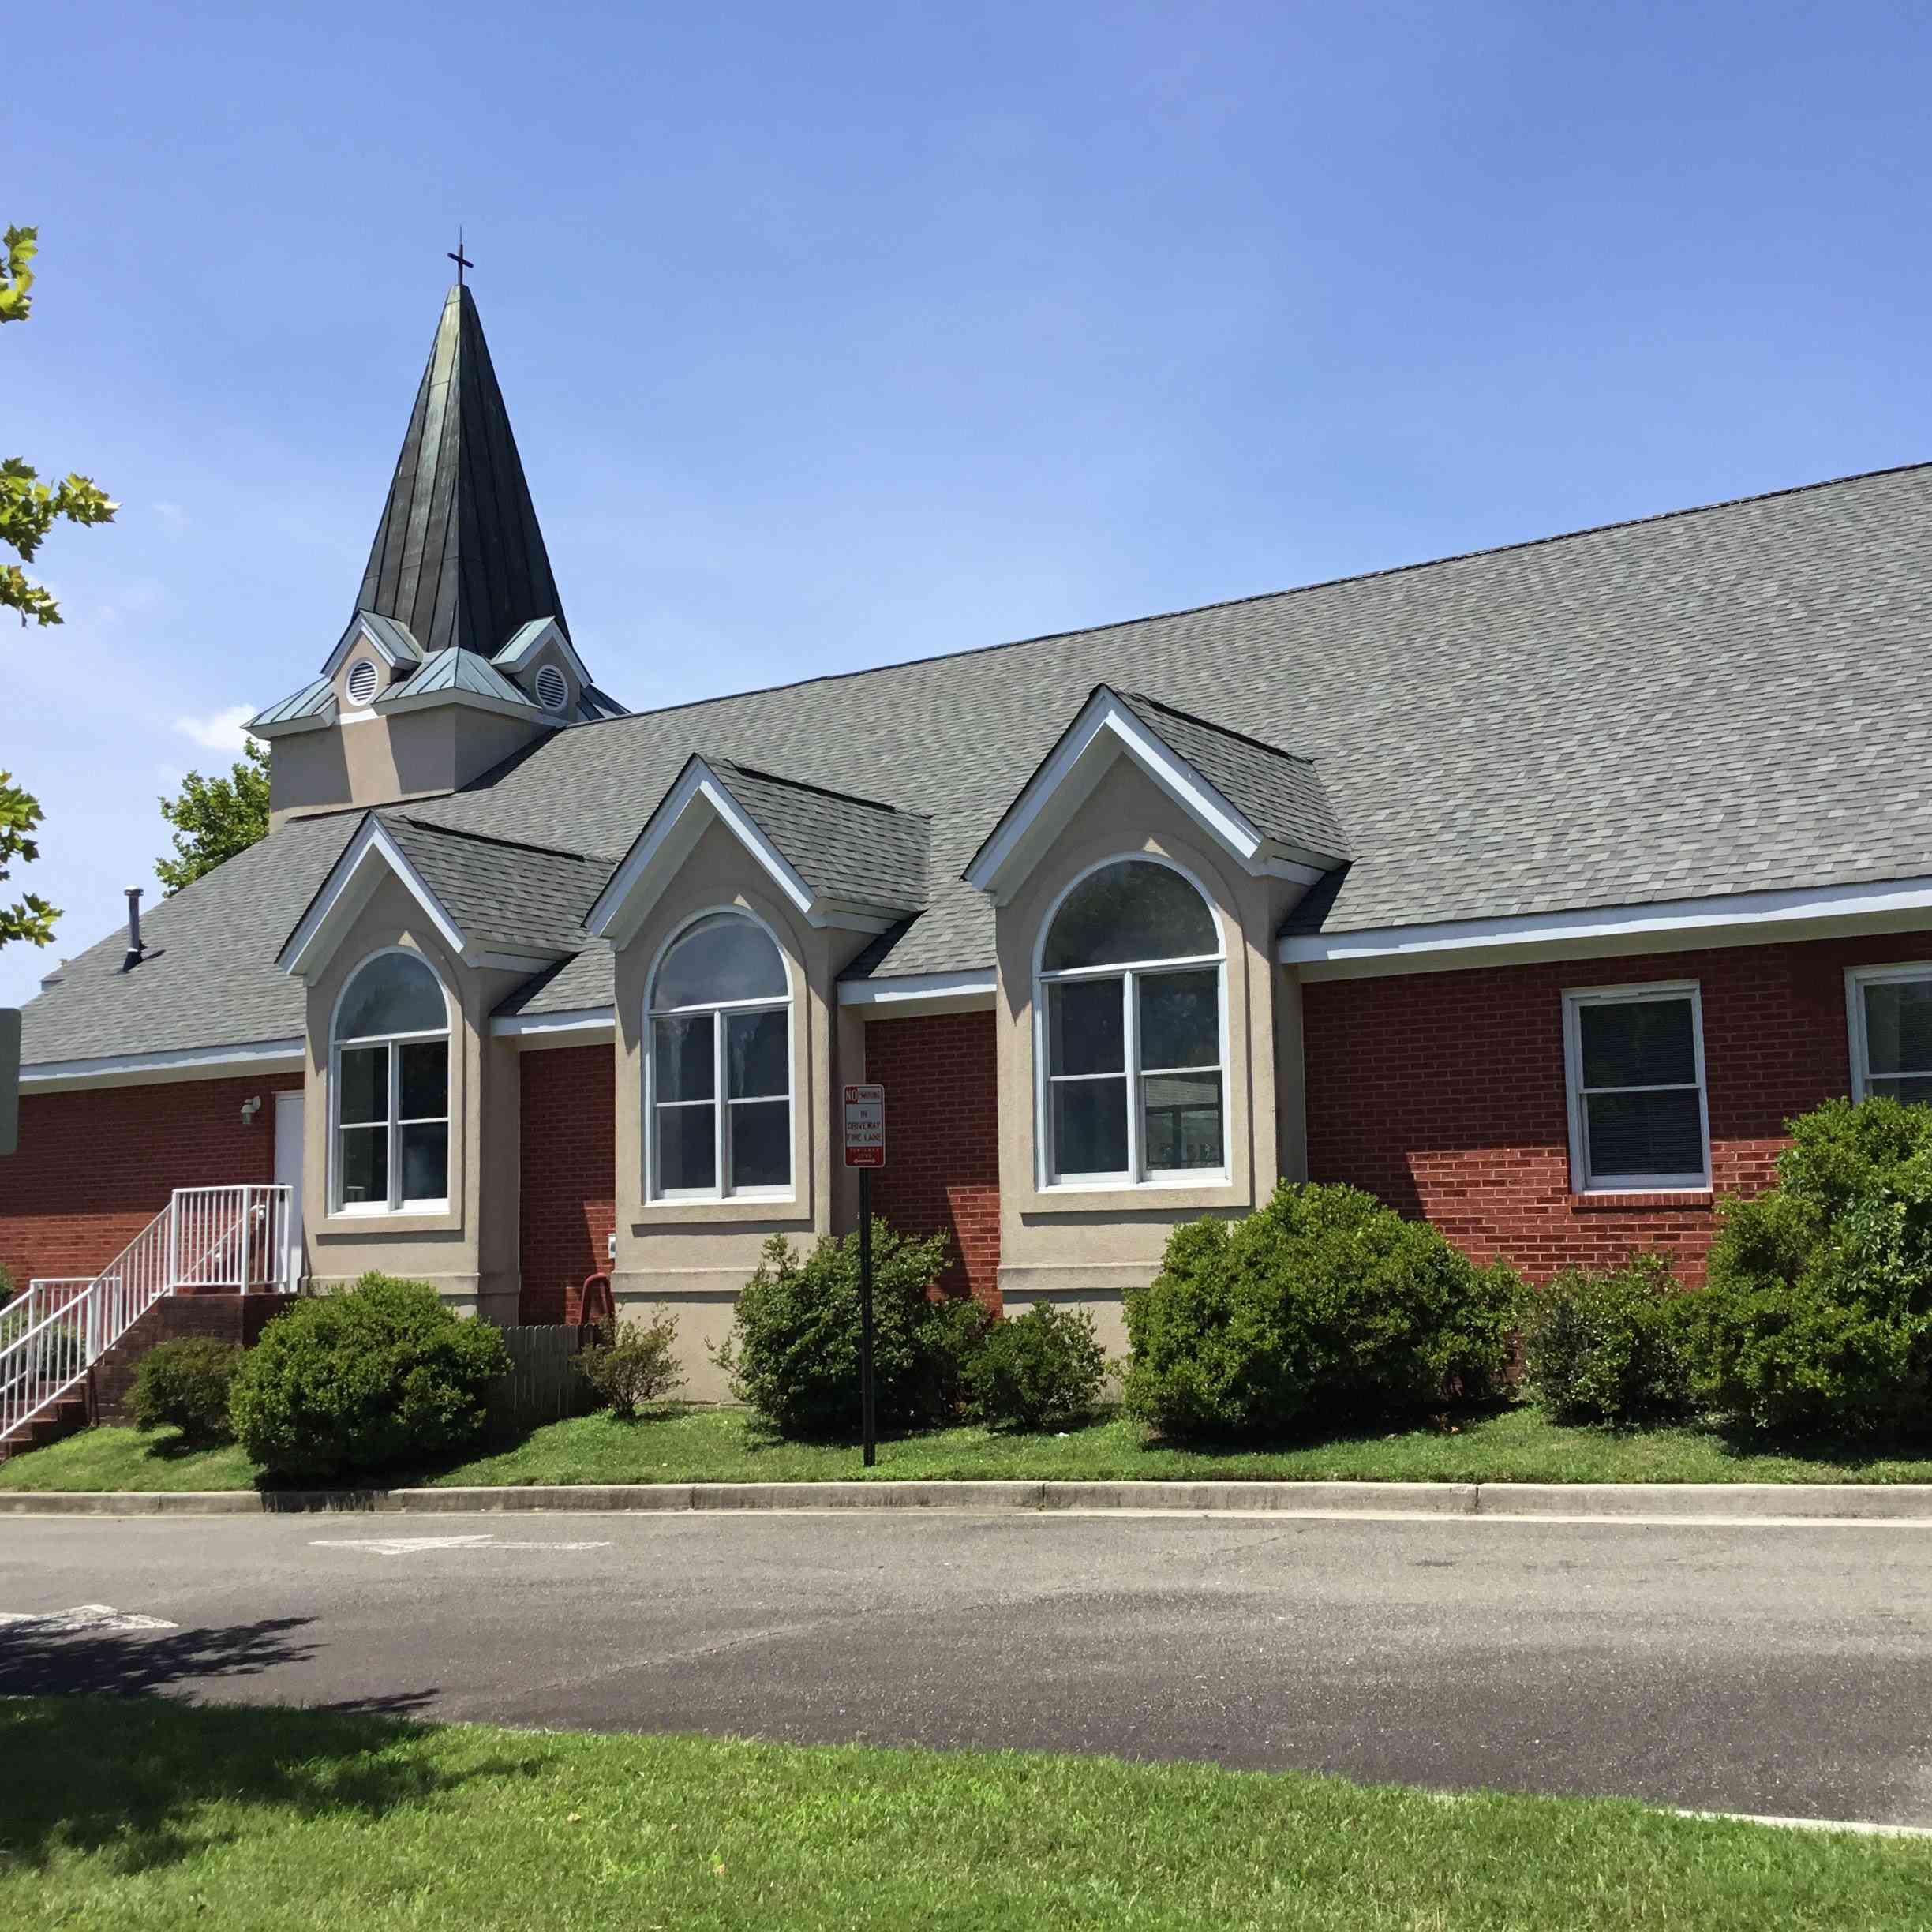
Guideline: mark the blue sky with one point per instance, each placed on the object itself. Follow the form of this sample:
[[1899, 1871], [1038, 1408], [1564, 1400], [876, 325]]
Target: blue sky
[[835, 335]]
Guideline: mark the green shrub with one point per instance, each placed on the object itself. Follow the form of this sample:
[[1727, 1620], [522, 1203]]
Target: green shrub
[[1609, 1347], [1322, 1304], [792, 1354], [380, 1374], [1043, 1369], [637, 1368], [184, 1385], [1819, 1313]]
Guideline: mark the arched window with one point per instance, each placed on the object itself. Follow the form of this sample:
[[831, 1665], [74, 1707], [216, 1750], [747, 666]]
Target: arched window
[[1130, 987], [720, 1102], [389, 1077]]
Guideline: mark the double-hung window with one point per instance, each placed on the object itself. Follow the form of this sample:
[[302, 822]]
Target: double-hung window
[[1130, 986], [390, 1085], [1890, 1013], [1638, 1120], [720, 1104]]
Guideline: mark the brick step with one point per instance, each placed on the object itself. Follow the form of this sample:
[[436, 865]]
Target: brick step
[[66, 1416]]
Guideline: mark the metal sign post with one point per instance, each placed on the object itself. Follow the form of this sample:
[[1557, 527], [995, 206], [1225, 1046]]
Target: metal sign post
[[865, 1149]]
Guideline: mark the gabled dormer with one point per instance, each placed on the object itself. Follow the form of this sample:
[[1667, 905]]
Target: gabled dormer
[[458, 654]]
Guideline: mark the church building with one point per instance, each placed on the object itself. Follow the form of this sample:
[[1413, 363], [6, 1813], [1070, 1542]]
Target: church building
[[1533, 891]]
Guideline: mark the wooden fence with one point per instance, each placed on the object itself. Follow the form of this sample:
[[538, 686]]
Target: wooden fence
[[543, 1384]]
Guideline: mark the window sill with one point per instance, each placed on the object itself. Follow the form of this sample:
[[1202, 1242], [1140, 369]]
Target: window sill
[[1123, 1197], [401, 1220], [733, 1210], [1659, 1200]]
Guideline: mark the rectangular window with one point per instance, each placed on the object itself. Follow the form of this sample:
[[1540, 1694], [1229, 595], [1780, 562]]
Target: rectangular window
[[1891, 1016], [1638, 1120], [721, 1093], [392, 1125]]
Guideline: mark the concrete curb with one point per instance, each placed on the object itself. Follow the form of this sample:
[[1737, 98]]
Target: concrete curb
[[1755, 1502]]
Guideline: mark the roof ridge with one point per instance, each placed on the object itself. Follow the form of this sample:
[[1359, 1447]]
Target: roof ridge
[[1223, 731], [1266, 596], [491, 838], [830, 791]]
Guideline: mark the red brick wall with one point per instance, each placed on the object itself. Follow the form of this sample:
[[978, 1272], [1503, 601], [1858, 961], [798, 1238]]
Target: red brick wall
[[568, 1143], [943, 1137], [95, 1167], [1444, 1092]]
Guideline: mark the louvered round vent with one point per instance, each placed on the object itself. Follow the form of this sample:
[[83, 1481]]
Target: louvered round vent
[[552, 693], [362, 680]]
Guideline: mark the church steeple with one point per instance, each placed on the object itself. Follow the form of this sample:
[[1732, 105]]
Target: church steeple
[[459, 559]]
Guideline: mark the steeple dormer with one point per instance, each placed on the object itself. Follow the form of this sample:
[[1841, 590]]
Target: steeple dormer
[[458, 654]]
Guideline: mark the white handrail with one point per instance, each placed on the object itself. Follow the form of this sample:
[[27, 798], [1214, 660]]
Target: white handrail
[[234, 1238]]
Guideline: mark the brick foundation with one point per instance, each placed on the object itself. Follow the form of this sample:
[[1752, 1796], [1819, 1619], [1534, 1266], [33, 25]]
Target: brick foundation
[[95, 1167], [940, 1072], [568, 1139], [226, 1317], [1443, 1093]]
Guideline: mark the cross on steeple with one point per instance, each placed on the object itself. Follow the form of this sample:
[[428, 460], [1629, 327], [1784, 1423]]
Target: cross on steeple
[[461, 260]]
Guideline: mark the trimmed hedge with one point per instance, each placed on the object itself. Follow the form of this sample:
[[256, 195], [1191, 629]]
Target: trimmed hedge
[[381, 1374], [1818, 1311], [1324, 1305], [185, 1385], [792, 1354], [1043, 1369], [1610, 1347]]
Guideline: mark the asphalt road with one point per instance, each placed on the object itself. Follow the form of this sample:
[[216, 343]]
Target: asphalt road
[[1775, 1670]]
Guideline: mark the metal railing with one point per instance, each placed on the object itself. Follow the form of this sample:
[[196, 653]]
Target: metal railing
[[232, 1238]]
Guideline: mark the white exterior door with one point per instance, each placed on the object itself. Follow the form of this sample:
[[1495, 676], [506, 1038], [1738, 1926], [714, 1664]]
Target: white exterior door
[[288, 1172]]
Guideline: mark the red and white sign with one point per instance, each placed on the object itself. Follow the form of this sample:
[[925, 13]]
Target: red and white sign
[[865, 1126]]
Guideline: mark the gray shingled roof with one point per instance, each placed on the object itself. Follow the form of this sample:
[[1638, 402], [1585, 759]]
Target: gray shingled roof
[[210, 977], [848, 848], [502, 895], [1280, 793], [1724, 700]]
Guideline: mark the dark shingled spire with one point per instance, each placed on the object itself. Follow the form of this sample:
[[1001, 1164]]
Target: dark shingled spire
[[458, 556]]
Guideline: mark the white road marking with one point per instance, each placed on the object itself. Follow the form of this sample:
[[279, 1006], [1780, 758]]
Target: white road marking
[[104, 1617], [416, 1546], [1815, 1825]]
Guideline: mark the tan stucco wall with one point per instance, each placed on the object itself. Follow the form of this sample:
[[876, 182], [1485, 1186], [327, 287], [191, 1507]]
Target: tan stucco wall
[[367, 758], [1089, 1247], [469, 1253], [692, 1257]]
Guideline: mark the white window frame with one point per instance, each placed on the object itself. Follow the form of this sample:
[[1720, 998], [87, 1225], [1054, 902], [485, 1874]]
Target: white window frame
[[1582, 1180], [392, 1121], [720, 1102], [1134, 1175], [1857, 980]]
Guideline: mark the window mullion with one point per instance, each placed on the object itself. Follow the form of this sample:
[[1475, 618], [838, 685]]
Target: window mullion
[[1130, 1043], [721, 1113], [394, 1135]]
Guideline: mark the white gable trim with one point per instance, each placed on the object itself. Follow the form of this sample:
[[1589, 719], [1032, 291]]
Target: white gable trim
[[1736, 919], [1107, 729], [552, 633], [666, 841], [370, 856], [361, 631]]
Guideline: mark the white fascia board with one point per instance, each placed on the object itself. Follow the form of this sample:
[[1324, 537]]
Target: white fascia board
[[579, 1027], [1104, 727], [287, 728], [351, 882], [970, 992], [476, 701], [188, 1063], [552, 633], [666, 840], [361, 633], [1733, 918]]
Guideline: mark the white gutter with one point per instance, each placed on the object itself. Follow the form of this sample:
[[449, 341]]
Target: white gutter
[[281, 1056], [915, 993], [576, 1027], [1732, 919]]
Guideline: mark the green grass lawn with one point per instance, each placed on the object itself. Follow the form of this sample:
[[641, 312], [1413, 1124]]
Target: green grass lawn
[[149, 1812], [726, 1445]]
